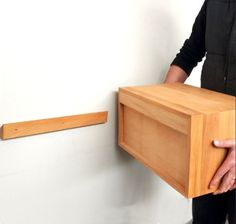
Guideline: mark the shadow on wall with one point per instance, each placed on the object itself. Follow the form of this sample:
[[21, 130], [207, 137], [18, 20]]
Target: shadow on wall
[[136, 182]]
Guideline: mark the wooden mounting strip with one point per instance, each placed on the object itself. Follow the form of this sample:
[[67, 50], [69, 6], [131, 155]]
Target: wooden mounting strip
[[26, 128]]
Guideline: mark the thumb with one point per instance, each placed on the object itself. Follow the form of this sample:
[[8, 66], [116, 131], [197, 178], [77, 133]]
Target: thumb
[[224, 143]]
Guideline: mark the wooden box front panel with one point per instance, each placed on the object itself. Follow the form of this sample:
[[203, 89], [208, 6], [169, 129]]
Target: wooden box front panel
[[158, 146]]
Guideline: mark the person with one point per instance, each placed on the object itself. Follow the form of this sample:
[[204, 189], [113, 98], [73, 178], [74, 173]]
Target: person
[[213, 37]]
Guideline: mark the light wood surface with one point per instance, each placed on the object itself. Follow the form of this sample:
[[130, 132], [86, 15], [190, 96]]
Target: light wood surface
[[26, 128], [170, 128]]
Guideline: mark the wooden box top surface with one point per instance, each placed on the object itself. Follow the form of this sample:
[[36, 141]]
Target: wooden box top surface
[[184, 98]]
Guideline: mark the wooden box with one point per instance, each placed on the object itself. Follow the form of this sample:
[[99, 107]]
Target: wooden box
[[170, 129]]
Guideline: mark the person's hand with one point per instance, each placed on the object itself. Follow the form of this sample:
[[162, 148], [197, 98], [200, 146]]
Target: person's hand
[[225, 175]]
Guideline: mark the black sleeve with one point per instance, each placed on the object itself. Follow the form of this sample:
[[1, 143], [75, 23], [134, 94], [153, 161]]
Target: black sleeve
[[193, 49]]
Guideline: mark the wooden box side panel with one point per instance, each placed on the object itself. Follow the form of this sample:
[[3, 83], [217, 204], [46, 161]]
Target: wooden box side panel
[[161, 148], [216, 127]]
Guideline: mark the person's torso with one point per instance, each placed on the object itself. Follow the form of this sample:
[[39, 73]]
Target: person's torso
[[219, 69]]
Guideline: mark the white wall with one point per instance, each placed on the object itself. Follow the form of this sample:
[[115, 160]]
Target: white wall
[[67, 57]]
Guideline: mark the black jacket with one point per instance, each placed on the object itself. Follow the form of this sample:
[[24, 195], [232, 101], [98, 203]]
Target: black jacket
[[214, 36]]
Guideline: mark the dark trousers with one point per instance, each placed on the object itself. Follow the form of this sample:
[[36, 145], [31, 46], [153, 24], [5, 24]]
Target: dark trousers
[[214, 209]]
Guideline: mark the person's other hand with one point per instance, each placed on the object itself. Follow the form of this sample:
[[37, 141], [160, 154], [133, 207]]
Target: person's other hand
[[225, 175]]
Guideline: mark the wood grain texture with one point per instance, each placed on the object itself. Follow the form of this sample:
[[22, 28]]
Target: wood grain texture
[[170, 128], [139, 134], [27, 128]]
